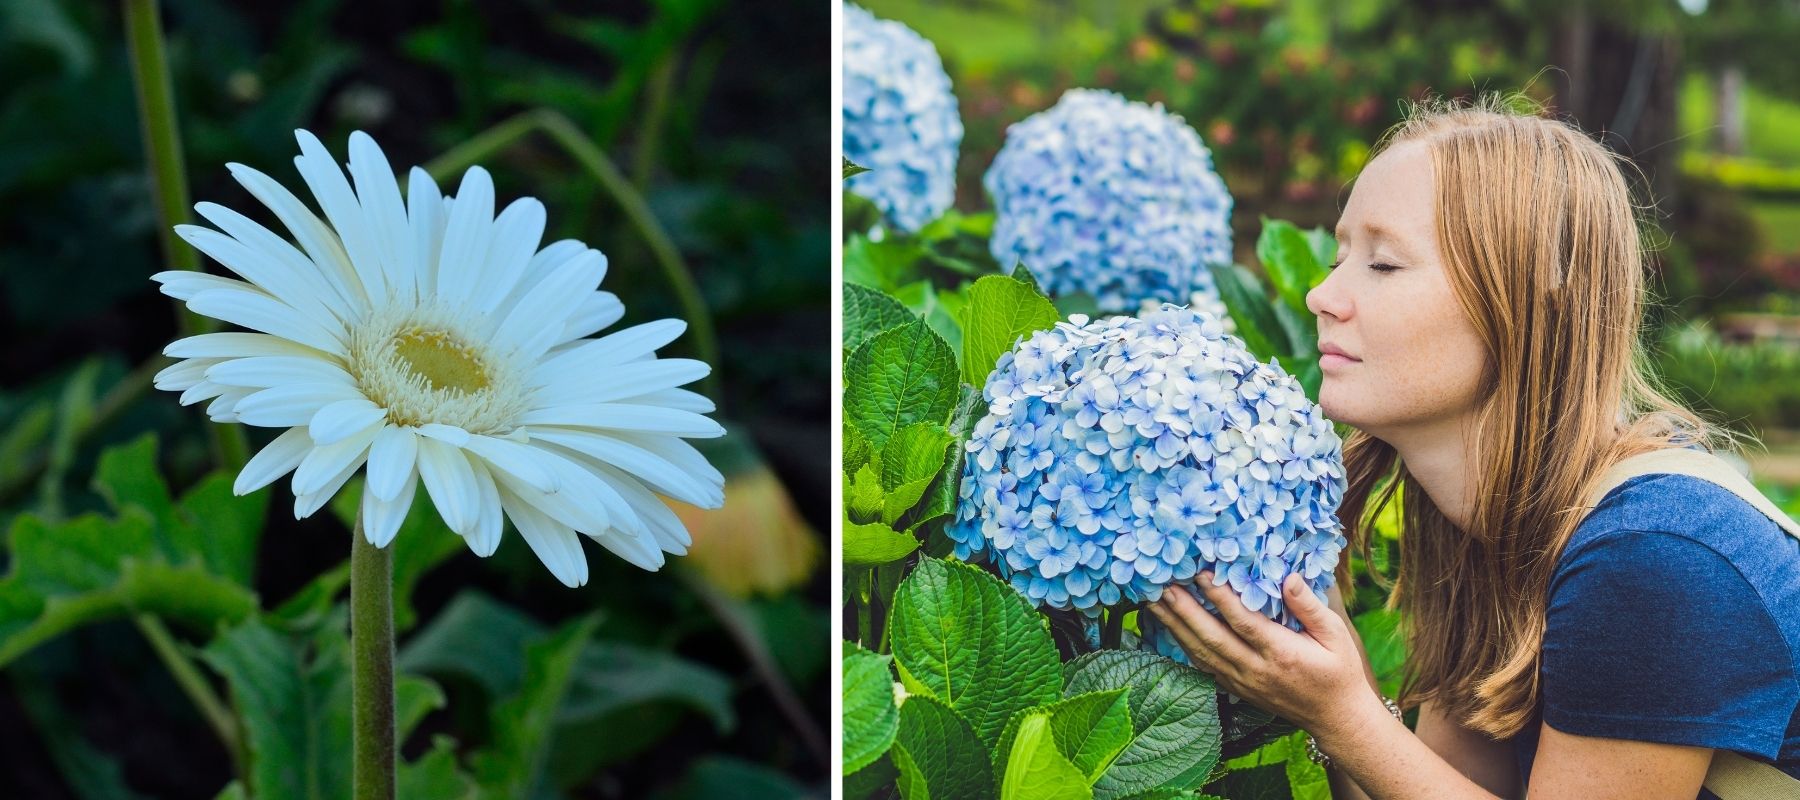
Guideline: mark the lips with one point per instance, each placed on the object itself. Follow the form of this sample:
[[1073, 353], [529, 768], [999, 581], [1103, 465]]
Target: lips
[[1329, 349]]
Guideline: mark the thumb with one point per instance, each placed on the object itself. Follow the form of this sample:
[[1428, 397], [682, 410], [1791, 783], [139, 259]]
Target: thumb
[[1320, 621]]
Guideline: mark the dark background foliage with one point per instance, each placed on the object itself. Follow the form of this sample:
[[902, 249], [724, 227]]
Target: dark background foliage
[[718, 113]]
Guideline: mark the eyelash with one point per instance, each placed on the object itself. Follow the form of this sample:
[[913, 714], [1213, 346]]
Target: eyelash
[[1376, 265]]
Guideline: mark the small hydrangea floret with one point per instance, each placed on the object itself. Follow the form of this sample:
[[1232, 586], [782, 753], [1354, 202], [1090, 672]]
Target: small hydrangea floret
[[900, 120], [1125, 455], [1111, 198]]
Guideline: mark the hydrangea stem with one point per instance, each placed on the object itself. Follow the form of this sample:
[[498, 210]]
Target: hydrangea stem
[[168, 179], [591, 158], [371, 668]]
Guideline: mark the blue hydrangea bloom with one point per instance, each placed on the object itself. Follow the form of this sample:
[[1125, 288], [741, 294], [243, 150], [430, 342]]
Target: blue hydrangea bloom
[[900, 120], [1109, 197], [1124, 455]]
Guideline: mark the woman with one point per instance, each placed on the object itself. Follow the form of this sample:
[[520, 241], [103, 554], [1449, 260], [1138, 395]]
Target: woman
[[1480, 333]]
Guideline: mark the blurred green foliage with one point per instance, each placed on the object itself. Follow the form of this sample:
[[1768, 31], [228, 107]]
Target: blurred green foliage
[[120, 520]]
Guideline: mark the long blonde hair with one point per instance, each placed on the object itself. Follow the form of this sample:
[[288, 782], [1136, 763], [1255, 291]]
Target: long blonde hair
[[1542, 243]]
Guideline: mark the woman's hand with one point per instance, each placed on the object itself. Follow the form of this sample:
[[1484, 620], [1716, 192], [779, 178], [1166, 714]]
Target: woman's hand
[[1315, 679]]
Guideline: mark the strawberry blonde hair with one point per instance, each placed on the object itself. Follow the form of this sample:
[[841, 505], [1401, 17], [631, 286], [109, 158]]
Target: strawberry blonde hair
[[1542, 244]]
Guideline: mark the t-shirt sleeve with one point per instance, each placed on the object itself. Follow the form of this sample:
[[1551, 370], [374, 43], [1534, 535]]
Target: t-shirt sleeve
[[1656, 637]]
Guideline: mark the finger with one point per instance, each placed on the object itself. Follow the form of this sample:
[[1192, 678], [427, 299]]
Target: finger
[[1259, 631], [1320, 621], [1184, 637], [1228, 648]]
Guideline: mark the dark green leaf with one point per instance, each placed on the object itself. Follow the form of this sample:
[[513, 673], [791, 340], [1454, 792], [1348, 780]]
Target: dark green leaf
[[942, 751], [968, 639], [1290, 261], [1174, 719], [868, 312], [899, 377], [852, 169], [1251, 311], [870, 719], [512, 766], [1000, 311]]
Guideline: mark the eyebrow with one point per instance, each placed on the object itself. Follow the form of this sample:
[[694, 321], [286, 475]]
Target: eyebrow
[[1378, 231]]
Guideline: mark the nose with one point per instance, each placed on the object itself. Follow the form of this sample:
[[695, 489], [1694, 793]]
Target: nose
[[1328, 298]]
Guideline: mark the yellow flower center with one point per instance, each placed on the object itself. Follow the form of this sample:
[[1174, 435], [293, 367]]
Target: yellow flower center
[[445, 363]]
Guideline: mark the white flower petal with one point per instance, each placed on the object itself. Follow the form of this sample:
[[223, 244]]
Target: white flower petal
[[277, 459], [326, 461], [379, 195], [292, 282], [626, 417], [237, 345], [319, 242], [450, 482], [268, 371], [621, 382], [582, 504], [393, 459], [183, 284], [546, 261], [224, 408], [615, 348], [289, 406], [381, 519], [518, 460], [670, 534], [675, 398], [180, 375], [329, 186], [677, 452], [597, 312], [517, 232], [306, 504], [260, 312], [484, 538], [554, 543], [204, 390], [649, 467], [343, 419], [466, 237], [425, 219], [448, 434], [533, 325]]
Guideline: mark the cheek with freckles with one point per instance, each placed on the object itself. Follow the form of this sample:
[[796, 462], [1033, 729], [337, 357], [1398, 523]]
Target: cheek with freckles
[[1421, 364]]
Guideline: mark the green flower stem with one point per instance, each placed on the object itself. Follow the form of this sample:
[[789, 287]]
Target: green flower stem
[[589, 155], [371, 668], [191, 681], [168, 180]]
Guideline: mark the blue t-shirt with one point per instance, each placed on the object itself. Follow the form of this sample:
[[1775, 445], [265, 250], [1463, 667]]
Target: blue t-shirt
[[1674, 617]]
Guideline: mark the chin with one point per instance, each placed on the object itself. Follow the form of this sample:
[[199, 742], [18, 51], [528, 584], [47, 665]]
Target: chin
[[1341, 403]]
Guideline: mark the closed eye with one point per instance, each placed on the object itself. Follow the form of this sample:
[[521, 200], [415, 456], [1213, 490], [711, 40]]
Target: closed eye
[[1374, 265]]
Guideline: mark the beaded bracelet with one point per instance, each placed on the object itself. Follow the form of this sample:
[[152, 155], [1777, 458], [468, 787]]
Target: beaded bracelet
[[1312, 745]]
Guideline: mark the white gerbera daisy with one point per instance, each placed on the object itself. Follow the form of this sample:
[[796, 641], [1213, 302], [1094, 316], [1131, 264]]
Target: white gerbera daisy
[[435, 342]]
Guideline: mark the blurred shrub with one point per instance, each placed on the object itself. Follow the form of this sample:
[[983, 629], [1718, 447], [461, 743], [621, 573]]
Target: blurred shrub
[[1753, 385]]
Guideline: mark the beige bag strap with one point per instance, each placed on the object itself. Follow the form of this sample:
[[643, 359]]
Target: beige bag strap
[[1731, 776]]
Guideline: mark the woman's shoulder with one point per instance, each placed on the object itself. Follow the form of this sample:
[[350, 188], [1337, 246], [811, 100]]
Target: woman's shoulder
[[1649, 511]]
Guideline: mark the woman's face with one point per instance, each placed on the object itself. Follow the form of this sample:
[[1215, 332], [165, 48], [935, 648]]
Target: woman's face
[[1412, 359]]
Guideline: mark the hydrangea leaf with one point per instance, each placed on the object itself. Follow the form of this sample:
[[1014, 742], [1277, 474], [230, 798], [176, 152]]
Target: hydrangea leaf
[[852, 169], [961, 635], [903, 498], [1000, 310], [1306, 780], [857, 451], [1324, 247], [1266, 782], [1250, 311], [1036, 769], [870, 717], [940, 752], [91, 568], [1290, 261], [877, 776], [1174, 720], [868, 312], [899, 377], [1090, 729], [863, 498], [884, 264], [874, 543], [914, 453]]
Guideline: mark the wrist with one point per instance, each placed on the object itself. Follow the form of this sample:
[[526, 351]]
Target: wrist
[[1353, 722]]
